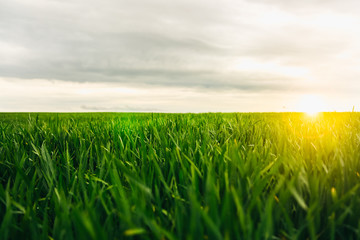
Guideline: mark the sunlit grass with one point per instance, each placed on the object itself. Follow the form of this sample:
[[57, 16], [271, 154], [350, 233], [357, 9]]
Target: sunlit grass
[[180, 176]]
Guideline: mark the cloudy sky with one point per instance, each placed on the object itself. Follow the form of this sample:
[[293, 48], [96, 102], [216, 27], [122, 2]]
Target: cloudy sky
[[179, 55]]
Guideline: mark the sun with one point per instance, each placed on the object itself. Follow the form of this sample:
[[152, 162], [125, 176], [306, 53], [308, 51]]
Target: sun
[[311, 104]]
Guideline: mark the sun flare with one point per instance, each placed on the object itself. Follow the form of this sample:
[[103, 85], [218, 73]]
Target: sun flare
[[311, 105]]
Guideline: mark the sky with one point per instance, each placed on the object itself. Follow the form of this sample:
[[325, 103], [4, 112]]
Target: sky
[[179, 55]]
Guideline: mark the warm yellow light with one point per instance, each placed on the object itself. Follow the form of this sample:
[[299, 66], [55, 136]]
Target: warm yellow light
[[312, 113], [311, 105]]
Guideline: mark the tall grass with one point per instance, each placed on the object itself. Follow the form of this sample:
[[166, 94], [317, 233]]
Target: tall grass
[[179, 176]]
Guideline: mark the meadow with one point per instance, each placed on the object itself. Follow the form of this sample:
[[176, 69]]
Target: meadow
[[179, 176]]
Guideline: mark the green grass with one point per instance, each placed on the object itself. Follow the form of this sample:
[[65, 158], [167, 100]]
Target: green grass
[[179, 176]]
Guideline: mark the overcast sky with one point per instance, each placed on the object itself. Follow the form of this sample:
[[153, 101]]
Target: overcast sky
[[178, 55]]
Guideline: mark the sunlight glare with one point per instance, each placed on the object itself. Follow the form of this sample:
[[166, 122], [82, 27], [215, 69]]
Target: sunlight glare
[[311, 105]]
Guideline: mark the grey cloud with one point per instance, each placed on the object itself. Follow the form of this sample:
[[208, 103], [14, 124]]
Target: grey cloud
[[297, 43], [125, 108], [311, 6], [245, 81], [182, 43]]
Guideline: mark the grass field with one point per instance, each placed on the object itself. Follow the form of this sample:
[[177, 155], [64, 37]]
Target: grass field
[[180, 176]]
